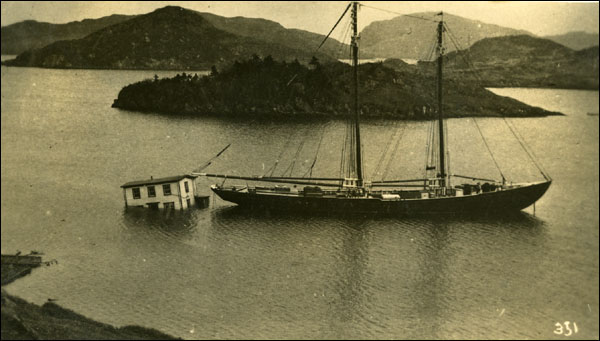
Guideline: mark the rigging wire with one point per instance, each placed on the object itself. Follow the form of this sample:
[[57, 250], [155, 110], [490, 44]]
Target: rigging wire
[[345, 160], [351, 148], [525, 147], [434, 151], [293, 163], [514, 131], [454, 41], [394, 152], [345, 36], [427, 149], [488, 148], [397, 13], [325, 39], [334, 26], [285, 146], [209, 162], [290, 168], [433, 47], [309, 171], [459, 51], [447, 170], [431, 159], [386, 150], [430, 152], [344, 169], [362, 149]]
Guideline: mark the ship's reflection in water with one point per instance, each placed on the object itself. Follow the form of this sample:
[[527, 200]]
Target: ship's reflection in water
[[371, 277]]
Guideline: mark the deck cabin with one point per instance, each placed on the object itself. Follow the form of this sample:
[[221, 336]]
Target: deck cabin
[[175, 192]]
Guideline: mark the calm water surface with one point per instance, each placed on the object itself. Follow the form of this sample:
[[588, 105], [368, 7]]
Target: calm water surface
[[223, 273]]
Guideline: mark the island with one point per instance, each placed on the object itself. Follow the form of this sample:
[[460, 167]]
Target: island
[[279, 89]]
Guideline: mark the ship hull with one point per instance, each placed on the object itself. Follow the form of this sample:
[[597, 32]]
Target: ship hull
[[514, 199]]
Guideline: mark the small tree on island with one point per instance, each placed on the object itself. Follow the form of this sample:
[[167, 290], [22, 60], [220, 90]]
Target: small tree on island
[[268, 61], [314, 63]]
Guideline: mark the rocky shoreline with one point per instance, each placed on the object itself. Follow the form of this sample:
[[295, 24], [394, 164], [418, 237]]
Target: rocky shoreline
[[22, 320]]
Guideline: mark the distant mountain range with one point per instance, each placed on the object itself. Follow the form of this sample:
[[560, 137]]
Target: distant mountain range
[[400, 37], [516, 61], [525, 61], [409, 37], [576, 40], [25, 35], [176, 38], [413, 38]]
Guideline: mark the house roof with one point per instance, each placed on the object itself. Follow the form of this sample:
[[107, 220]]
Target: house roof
[[169, 179]]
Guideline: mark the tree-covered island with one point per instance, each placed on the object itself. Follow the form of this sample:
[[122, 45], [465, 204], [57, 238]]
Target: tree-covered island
[[266, 87]]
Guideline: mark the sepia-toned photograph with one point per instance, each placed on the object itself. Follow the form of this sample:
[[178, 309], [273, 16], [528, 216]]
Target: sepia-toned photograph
[[299, 170]]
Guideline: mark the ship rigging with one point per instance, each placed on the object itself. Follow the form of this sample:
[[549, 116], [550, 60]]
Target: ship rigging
[[433, 193]]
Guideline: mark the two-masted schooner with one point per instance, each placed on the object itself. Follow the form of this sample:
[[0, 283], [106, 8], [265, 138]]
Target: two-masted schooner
[[353, 194]]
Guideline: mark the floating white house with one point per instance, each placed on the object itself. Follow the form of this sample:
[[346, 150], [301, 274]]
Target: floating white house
[[177, 192]]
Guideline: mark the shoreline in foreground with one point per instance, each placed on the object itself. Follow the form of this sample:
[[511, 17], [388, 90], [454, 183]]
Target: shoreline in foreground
[[24, 320]]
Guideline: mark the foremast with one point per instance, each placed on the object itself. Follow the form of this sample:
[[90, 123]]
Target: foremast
[[442, 151], [355, 174]]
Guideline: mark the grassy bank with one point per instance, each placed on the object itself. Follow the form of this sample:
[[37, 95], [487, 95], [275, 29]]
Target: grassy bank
[[24, 320]]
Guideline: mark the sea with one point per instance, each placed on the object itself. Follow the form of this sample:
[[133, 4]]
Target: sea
[[221, 272]]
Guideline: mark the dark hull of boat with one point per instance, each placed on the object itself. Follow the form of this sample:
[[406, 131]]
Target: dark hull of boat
[[514, 199]]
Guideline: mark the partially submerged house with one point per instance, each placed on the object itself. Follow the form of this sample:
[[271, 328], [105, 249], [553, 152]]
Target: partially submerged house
[[177, 192]]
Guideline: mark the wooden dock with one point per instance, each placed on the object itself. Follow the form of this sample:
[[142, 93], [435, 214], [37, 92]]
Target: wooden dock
[[17, 266]]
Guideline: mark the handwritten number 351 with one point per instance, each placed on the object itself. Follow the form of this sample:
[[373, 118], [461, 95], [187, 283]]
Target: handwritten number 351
[[565, 328]]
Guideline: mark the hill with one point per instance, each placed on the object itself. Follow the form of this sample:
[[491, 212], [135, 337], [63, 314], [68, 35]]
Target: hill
[[176, 38], [272, 32], [264, 87], [525, 61], [409, 37], [576, 40], [30, 34]]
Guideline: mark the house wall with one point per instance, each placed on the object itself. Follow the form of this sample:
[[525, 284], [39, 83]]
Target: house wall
[[189, 195], [178, 195], [160, 198]]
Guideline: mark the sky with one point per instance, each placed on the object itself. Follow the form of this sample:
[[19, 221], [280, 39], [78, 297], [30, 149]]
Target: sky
[[540, 18]]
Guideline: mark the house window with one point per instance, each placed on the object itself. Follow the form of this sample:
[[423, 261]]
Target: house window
[[169, 205], [189, 203], [187, 188], [151, 192], [167, 189], [136, 193]]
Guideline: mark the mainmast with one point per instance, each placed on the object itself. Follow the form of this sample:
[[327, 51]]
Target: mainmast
[[356, 108], [442, 153]]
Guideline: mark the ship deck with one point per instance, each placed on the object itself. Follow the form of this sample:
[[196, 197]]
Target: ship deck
[[513, 197]]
